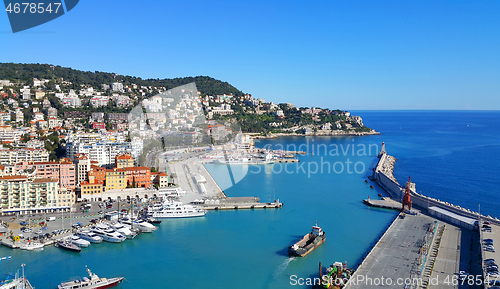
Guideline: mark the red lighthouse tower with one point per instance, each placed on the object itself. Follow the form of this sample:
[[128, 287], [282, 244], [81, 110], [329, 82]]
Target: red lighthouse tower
[[407, 196]]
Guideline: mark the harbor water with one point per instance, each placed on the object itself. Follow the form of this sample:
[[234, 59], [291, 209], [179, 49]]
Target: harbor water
[[451, 156]]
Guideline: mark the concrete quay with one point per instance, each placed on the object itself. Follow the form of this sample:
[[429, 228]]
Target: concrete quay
[[240, 203], [386, 203], [418, 251]]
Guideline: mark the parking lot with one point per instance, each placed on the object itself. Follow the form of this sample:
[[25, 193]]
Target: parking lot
[[490, 240]]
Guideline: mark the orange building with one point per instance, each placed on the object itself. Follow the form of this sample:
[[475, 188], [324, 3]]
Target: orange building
[[97, 174], [124, 161], [140, 175]]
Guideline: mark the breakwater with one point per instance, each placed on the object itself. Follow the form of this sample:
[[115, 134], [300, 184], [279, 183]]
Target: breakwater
[[383, 176]]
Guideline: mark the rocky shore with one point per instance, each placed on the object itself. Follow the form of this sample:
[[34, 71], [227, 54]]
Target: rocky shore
[[318, 133]]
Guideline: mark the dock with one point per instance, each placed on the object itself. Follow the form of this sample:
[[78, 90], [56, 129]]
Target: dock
[[386, 203], [240, 203]]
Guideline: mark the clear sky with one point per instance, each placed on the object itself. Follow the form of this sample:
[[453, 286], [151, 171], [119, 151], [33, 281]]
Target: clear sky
[[357, 55]]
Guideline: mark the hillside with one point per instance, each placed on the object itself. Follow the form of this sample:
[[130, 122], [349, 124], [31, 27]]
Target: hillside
[[25, 72]]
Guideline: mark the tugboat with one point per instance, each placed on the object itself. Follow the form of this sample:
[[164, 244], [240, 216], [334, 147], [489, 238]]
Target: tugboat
[[93, 282], [337, 276], [64, 244], [308, 243]]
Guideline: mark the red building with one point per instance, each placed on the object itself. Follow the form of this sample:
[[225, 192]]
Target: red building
[[98, 125], [140, 175]]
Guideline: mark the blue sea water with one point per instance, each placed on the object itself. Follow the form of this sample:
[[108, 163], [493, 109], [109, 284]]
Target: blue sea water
[[452, 156]]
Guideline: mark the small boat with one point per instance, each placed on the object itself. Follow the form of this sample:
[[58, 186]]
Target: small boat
[[89, 236], [32, 246], [78, 241], [66, 245], [92, 282], [152, 220], [310, 242]]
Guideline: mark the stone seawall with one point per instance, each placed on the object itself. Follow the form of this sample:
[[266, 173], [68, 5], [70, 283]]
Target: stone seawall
[[383, 175]]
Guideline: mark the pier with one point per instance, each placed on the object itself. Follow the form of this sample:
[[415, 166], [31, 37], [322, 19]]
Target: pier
[[386, 203], [240, 203], [427, 249]]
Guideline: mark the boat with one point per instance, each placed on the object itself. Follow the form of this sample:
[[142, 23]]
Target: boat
[[91, 282], [310, 242], [141, 225], [152, 220], [15, 281], [32, 246], [78, 241], [173, 209], [89, 236], [67, 245], [108, 234], [124, 230], [337, 276]]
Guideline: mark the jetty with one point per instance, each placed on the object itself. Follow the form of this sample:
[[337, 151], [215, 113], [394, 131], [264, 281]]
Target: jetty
[[421, 249], [386, 203], [239, 203]]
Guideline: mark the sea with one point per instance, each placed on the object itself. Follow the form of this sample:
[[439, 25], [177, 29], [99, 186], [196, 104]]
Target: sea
[[450, 155]]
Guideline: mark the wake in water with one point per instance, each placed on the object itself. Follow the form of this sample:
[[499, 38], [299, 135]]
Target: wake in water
[[282, 267]]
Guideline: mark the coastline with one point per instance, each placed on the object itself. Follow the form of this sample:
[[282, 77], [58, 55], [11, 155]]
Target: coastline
[[319, 133]]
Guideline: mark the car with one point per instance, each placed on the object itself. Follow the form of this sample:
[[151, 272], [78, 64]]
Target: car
[[76, 226], [487, 230], [489, 259], [488, 243], [490, 250], [93, 221], [26, 230], [492, 269], [494, 283], [23, 223], [486, 226], [487, 223], [109, 206], [39, 232], [488, 240], [100, 212]]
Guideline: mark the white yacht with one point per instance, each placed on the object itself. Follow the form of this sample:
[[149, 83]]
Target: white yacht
[[78, 241], [173, 209], [108, 234], [141, 225], [32, 246], [89, 236], [124, 230]]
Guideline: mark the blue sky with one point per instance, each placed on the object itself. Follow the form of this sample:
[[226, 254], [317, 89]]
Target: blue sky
[[352, 55]]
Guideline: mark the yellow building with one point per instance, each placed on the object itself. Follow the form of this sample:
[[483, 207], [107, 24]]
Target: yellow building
[[116, 179], [124, 161], [91, 190]]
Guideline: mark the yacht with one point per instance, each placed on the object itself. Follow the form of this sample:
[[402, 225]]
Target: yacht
[[173, 209], [78, 241], [67, 245], [32, 246], [108, 234], [89, 236], [124, 230], [91, 282], [140, 225]]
